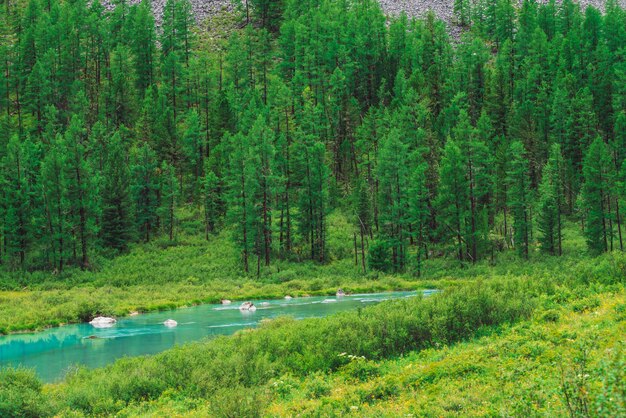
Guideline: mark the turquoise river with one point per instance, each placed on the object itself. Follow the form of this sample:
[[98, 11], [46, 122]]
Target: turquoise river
[[52, 353]]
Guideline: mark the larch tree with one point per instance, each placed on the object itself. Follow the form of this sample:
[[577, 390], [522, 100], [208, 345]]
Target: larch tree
[[519, 197], [551, 203]]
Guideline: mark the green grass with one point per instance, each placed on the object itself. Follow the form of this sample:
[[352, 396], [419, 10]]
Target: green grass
[[521, 370], [163, 275], [497, 345], [501, 339]]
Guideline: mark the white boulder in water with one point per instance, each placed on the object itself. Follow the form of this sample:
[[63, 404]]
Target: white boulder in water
[[170, 323], [225, 302], [288, 297], [103, 322], [247, 306]]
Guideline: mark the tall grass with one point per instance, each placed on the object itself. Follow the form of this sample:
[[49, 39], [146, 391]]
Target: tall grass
[[252, 358]]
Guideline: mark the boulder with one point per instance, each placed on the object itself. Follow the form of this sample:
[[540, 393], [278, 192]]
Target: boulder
[[103, 322], [225, 302], [170, 323], [247, 307]]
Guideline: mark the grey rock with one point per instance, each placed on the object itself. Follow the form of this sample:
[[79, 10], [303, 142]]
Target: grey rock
[[413, 8]]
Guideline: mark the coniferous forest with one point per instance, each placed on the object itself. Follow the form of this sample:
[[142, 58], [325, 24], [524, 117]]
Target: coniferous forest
[[109, 125], [296, 147]]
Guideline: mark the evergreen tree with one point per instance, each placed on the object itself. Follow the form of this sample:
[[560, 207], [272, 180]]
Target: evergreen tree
[[393, 196], [419, 211], [144, 189], [83, 190], [598, 174], [211, 200], [116, 223], [453, 196], [362, 216], [242, 186], [168, 194], [551, 203], [311, 173], [54, 191], [519, 199]]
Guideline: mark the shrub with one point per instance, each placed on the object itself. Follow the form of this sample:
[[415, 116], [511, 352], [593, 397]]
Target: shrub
[[317, 386], [237, 402], [378, 257], [87, 310], [358, 367], [586, 304], [611, 402], [551, 315], [20, 394]]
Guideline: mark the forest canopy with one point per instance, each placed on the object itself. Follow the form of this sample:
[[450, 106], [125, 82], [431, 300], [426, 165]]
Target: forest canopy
[[433, 145]]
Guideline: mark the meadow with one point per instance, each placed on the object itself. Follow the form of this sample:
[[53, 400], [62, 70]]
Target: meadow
[[536, 338], [163, 275]]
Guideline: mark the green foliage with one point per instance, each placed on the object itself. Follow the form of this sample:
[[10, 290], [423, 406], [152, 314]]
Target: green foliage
[[519, 197], [551, 203], [378, 256], [21, 395], [285, 346], [320, 106], [599, 177]]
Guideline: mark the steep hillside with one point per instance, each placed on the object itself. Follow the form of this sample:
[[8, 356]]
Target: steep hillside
[[442, 8]]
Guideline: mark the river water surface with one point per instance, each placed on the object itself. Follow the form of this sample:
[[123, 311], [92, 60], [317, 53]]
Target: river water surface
[[54, 351]]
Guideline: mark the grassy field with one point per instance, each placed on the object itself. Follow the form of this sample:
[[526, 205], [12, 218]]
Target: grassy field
[[191, 271], [163, 275], [523, 370], [496, 345], [506, 337]]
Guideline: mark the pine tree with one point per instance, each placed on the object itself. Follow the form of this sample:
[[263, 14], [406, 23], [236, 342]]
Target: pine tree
[[242, 186], [168, 194], [519, 198], [262, 146], [211, 201], [419, 210], [83, 190], [193, 152], [462, 11], [116, 223], [362, 216], [551, 203], [311, 172], [144, 189], [54, 191], [142, 44], [453, 196], [393, 196], [598, 175], [16, 203]]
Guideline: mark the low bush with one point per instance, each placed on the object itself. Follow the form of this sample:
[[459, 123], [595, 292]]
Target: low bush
[[285, 346], [21, 395]]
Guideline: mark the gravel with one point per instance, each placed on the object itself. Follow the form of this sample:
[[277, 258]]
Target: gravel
[[413, 8], [444, 9]]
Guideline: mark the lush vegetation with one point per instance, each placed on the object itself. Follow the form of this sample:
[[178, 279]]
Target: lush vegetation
[[112, 128], [535, 344], [319, 145]]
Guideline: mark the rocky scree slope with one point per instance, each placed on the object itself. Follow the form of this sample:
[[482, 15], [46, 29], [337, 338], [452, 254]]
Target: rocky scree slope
[[203, 9]]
